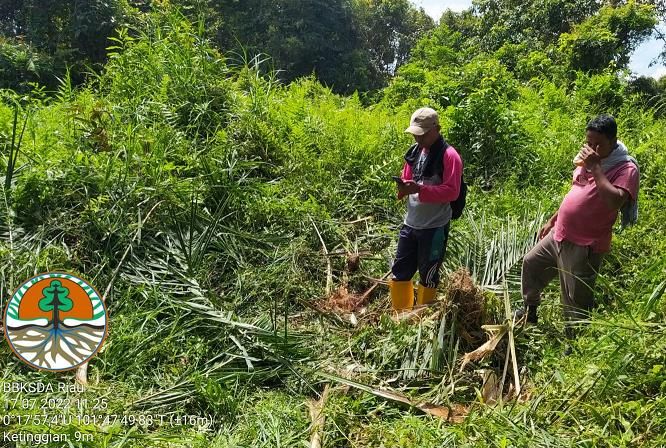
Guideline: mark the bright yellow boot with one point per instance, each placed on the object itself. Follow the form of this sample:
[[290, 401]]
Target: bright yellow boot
[[425, 295], [402, 294]]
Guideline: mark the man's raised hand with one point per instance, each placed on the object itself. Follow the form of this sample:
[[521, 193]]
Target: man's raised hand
[[407, 188], [589, 156]]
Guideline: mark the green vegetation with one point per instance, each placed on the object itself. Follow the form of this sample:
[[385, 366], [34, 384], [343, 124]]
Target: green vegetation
[[219, 211], [347, 44]]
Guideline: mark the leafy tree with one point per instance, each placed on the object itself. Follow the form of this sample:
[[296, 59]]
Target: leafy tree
[[644, 86], [55, 300], [43, 38], [443, 47], [660, 31], [389, 30], [22, 64], [348, 44], [301, 36], [651, 92], [608, 38], [80, 27], [661, 83], [516, 21]]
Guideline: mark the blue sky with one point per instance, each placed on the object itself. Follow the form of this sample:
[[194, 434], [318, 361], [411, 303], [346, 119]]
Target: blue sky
[[640, 60]]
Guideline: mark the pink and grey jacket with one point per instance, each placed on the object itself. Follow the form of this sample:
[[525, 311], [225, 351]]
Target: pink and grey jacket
[[430, 207]]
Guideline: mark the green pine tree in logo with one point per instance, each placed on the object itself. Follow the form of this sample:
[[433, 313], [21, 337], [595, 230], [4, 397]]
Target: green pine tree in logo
[[55, 299]]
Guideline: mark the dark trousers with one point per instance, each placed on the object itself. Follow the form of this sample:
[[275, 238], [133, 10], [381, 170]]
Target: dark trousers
[[577, 268], [421, 250]]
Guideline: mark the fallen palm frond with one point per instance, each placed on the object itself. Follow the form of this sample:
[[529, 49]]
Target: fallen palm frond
[[318, 418], [253, 350], [414, 315], [490, 389], [419, 345], [495, 334], [82, 371], [492, 254], [493, 257], [453, 414], [329, 269]]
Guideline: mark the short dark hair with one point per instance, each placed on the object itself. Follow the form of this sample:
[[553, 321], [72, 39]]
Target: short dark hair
[[603, 124]]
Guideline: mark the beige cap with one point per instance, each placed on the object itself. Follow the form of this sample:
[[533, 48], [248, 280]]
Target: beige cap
[[422, 121]]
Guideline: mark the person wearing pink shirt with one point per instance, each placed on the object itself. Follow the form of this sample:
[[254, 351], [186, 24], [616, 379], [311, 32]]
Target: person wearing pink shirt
[[574, 240], [431, 179]]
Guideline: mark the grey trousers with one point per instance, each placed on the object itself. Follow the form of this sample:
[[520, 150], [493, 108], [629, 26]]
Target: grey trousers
[[577, 267]]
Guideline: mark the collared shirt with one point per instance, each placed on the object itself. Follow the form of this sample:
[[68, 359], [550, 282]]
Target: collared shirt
[[584, 218]]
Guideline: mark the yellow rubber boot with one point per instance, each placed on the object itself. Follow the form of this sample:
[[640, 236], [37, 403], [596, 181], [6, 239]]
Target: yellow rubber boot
[[402, 294], [425, 295]]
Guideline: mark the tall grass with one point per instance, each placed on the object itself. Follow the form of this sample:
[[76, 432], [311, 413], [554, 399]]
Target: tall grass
[[186, 187]]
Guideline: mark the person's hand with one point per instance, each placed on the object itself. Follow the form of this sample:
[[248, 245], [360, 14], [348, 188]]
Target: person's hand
[[546, 229], [407, 188], [589, 156]]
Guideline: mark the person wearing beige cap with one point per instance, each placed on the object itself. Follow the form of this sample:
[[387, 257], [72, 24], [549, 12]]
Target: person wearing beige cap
[[431, 181]]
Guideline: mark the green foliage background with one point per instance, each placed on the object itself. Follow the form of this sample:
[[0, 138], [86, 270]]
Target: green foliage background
[[197, 189]]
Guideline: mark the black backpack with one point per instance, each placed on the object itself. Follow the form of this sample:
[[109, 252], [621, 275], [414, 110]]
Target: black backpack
[[458, 205]]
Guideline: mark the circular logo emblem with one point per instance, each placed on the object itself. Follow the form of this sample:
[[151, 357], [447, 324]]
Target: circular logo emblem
[[55, 321]]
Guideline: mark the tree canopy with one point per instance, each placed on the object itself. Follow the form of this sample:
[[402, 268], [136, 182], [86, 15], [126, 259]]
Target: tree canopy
[[347, 44]]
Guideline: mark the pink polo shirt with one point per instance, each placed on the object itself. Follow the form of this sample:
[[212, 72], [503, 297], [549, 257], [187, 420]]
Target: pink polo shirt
[[584, 218]]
